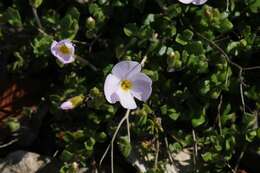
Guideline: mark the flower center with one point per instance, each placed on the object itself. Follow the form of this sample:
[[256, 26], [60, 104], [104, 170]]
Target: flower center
[[126, 85], [64, 49]]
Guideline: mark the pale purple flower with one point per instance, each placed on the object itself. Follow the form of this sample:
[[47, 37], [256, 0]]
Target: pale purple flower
[[199, 2], [67, 105], [185, 1], [126, 82], [195, 2], [72, 102], [63, 51]]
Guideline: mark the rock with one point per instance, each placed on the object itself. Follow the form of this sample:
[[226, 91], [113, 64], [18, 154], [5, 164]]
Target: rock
[[181, 161], [26, 162]]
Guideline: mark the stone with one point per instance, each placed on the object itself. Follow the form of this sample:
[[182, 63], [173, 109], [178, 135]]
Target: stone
[[23, 162]]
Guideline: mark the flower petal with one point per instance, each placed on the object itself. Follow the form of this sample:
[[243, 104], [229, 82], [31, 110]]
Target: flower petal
[[199, 2], [125, 69], [126, 99], [66, 59], [185, 1], [67, 105], [142, 86], [110, 87], [54, 48]]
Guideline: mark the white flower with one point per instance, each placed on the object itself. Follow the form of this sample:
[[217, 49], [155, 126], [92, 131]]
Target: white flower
[[67, 105], [185, 1], [126, 82], [199, 2], [195, 2], [72, 102], [63, 51]]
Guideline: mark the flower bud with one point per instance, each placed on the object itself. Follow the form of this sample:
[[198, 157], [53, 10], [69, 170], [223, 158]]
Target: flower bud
[[90, 23], [36, 3], [72, 102]]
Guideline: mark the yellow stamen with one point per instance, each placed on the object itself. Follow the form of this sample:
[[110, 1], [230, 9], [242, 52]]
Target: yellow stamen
[[64, 49], [126, 85]]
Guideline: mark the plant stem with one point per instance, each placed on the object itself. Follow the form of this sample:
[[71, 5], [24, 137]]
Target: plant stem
[[86, 62], [111, 145], [38, 21], [195, 150], [128, 128], [114, 137]]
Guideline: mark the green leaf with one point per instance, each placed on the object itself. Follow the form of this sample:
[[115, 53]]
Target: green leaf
[[175, 147], [12, 16], [207, 156], [198, 121], [255, 6], [251, 135], [69, 27], [66, 155], [13, 124], [130, 30], [41, 46], [195, 48], [187, 34], [226, 25], [124, 146], [173, 114], [162, 51], [89, 145], [101, 137], [174, 10], [74, 12], [181, 40], [149, 19]]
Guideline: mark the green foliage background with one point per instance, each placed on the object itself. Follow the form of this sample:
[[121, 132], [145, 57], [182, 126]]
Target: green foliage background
[[203, 60]]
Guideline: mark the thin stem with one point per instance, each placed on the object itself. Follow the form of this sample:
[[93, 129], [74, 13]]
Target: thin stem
[[114, 137], [227, 5], [80, 42], [38, 21], [9, 143], [219, 118], [86, 62], [104, 155], [143, 60], [128, 128], [252, 68], [242, 91], [229, 166], [161, 5], [157, 154], [220, 50], [168, 150], [195, 150], [240, 157]]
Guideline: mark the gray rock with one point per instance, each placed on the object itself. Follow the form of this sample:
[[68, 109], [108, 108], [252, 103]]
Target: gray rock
[[25, 162]]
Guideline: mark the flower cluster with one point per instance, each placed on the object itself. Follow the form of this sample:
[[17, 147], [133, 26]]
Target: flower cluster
[[125, 83]]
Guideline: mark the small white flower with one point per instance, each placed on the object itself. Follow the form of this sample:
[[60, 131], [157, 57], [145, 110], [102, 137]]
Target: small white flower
[[126, 82], [185, 1], [72, 102], [67, 105], [195, 2], [199, 2], [63, 50]]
